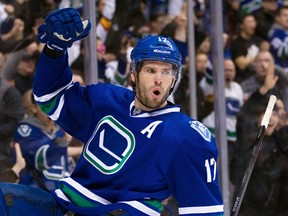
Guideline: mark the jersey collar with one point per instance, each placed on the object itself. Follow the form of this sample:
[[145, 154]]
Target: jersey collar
[[134, 112]]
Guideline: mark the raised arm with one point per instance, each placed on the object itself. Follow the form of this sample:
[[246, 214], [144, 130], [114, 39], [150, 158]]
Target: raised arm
[[53, 75]]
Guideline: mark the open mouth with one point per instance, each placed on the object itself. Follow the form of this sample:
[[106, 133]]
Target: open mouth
[[156, 92]]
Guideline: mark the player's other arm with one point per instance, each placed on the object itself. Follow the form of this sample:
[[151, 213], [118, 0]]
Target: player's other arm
[[193, 174]]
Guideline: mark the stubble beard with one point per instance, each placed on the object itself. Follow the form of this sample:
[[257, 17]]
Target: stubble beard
[[148, 102]]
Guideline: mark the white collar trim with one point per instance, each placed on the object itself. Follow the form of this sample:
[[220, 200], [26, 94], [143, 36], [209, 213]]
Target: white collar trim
[[152, 113]]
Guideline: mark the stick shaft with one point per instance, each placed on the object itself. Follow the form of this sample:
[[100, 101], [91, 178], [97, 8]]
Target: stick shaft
[[257, 146]]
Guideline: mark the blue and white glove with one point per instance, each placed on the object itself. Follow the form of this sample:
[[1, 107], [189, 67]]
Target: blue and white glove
[[61, 28]]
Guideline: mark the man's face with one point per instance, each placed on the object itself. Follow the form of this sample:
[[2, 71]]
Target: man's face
[[270, 5], [201, 62], [248, 25], [262, 61], [282, 18], [229, 71], [26, 67], [153, 83]]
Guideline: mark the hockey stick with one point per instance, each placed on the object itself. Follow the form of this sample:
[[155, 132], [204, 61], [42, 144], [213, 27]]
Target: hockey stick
[[257, 146]]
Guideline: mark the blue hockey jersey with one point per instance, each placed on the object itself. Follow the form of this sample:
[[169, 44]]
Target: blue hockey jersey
[[132, 160], [42, 153]]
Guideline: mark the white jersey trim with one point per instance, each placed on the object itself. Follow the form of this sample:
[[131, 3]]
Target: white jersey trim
[[152, 114], [135, 204], [57, 112], [47, 97], [201, 209], [85, 191], [141, 207], [61, 195]]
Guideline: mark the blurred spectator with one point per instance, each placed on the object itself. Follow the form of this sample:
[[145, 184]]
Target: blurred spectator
[[177, 30], [234, 100], [12, 59], [278, 37], [78, 76], [9, 172], [44, 147], [265, 17], [23, 78], [244, 47], [11, 112], [117, 70], [182, 92], [6, 17], [12, 36], [106, 10], [282, 113], [157, 23], [266, 78], [2, 61], [230, 15], [155, 7], [78, 4], [266, 192], [129, 17], [250, 6], [282, 127]]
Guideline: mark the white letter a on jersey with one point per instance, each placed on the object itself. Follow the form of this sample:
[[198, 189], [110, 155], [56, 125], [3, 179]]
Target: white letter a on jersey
[[150, 128]]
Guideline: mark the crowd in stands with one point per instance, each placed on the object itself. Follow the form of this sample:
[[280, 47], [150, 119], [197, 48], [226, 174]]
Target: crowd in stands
[[256, 58]]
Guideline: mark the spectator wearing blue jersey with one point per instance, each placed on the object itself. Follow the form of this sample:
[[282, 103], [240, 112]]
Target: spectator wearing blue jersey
[[265, 17], [44, 147], [278, 38], [139, 149]]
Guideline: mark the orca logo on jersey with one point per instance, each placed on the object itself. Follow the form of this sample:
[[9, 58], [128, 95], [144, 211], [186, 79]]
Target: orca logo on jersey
[[110, 146], [24, 130], [201, 129]]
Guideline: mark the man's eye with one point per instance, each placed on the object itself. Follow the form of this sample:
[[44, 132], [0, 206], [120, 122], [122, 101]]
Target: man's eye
[[150, 70], [167, 73]]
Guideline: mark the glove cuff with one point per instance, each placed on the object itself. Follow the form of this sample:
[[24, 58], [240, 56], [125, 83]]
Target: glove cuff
[[52, 53], [57, 44]]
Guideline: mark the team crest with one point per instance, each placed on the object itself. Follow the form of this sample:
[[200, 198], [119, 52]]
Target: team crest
[[24, 130], [201, 129]]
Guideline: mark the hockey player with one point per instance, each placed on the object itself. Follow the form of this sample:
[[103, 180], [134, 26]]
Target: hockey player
[[139, 149]]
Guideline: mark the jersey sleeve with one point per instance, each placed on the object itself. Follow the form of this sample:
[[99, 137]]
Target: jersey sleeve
[[73, 107], [52, 75], [63, 101], [193, 175]]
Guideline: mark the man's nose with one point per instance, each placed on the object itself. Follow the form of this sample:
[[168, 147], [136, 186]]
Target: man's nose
[[158, 77]]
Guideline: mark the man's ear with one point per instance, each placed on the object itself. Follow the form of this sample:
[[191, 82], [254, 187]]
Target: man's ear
[[132, 76], [34, 108]]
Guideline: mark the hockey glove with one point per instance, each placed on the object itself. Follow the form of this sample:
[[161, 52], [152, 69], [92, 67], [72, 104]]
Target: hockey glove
[[61, 28]]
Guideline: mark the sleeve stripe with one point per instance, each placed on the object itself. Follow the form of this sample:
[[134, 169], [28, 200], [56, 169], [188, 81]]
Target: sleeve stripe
[[48, 97], [141, 207], [84, 191], [201, 209], [57, 112]]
